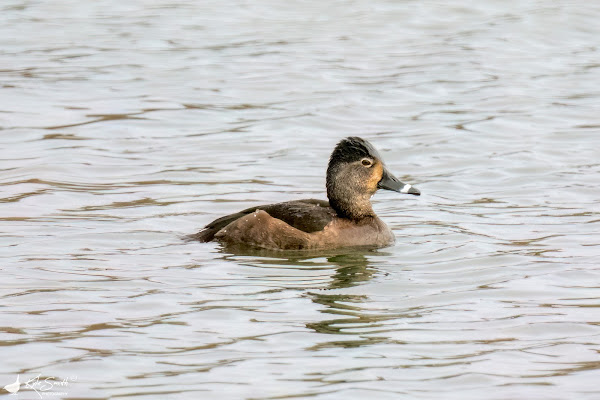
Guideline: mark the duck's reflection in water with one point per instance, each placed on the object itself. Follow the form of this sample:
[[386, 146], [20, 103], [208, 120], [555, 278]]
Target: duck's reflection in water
[[354, 323]]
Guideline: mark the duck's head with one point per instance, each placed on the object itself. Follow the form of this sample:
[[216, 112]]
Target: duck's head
[[354, 174]]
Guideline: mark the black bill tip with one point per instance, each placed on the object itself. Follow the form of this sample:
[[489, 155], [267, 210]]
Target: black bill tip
[[410, 190]]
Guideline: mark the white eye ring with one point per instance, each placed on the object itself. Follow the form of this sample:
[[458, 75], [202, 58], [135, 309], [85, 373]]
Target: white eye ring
[[366, 162]]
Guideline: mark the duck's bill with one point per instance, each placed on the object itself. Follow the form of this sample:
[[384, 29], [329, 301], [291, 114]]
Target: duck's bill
[[390, 182]]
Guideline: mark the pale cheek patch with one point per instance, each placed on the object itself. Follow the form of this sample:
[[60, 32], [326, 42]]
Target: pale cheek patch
[[406, 188]]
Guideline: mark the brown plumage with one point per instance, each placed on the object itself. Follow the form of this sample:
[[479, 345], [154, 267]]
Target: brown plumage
[[354, 174], [309, 216]]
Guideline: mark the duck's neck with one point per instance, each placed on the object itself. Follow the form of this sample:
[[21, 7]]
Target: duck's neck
[[348, 204]]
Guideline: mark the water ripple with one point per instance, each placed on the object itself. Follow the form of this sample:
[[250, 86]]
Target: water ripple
[[126, 128]]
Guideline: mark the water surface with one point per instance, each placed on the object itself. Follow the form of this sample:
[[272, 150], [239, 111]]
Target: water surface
[[127, 125]]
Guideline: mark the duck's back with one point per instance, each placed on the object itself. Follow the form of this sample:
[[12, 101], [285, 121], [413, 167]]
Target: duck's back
[[308, 216]]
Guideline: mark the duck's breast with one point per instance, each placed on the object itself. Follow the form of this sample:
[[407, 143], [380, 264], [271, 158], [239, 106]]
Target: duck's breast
[[342, 232]]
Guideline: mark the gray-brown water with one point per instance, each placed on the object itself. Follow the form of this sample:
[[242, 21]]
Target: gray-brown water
[[125, 125]]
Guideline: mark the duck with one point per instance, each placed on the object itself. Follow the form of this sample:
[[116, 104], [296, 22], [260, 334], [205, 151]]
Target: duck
[[354, 173]]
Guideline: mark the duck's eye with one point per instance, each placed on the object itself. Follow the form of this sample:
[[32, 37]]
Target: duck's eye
[[366, 162]]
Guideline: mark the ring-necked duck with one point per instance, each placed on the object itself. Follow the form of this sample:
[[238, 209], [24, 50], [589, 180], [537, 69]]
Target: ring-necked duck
[[354, 174]]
